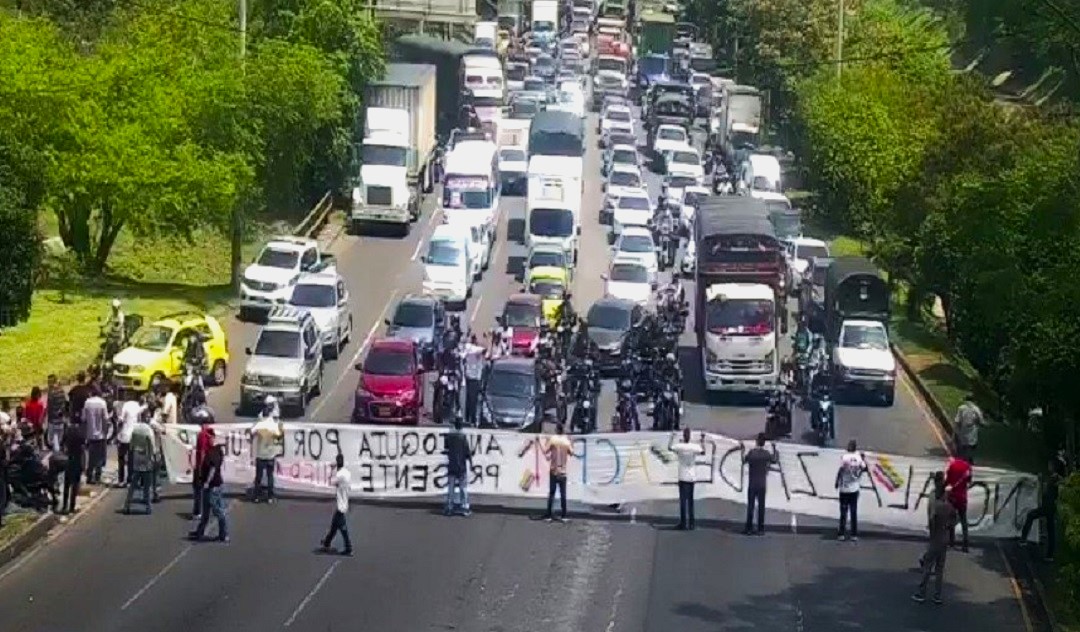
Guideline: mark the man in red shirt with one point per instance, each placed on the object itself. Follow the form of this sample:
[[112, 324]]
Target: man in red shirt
[[957, 480], [34, 410], [204, 442]]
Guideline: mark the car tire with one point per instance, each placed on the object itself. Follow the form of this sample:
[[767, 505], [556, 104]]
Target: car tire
[[218, 373], [317, 389], [348, 334], [889, 397], [333, 352]]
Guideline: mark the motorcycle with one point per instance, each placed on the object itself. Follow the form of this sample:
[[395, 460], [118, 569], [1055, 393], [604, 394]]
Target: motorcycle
[[667, 410], [32, 481], [625, 418], [778, 414], [585, 391], [447, 404], [823, 419]]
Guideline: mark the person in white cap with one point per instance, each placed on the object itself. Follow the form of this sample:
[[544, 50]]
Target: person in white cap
[[266, 437], [116, 319]]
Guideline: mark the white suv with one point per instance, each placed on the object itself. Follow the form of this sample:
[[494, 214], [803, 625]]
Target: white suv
[[863, 361], [286, 361], [324, 296]]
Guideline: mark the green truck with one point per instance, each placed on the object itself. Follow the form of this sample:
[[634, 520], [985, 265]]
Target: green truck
[[657, 33]]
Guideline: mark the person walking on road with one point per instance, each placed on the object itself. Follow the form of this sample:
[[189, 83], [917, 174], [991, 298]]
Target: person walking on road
[[687, 454], [266, 437], [1047, 509], [558, 455], [75, 449], [969, 418], [170, 404], [458, 464], [142, 460], [474, 374], [957, 481], [213, 503], [342, 482], [204, 442], [131, 411], [95, 421], [758, 461], [941, 518], [852, 466], [56, 407]]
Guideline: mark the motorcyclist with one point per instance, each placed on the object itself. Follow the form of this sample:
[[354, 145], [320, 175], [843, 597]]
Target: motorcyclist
[[802, 337], [201, 413], [822, 413], [195, 354]]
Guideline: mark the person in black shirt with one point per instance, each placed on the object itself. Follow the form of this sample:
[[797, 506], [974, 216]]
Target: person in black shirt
[[210, 476], [78, 395], [458, 461], [758, 462], [1047, 509], [75, 449]]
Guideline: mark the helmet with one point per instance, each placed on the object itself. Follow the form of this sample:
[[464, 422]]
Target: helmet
[[116, 303], [670, 357], [270, 401]]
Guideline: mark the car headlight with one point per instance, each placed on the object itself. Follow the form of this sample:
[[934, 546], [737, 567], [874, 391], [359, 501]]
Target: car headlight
[[530, 416], [249, 379], [363, 393]]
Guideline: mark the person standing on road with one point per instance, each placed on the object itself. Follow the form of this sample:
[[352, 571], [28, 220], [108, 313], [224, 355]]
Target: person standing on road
[[141, 462], [266, 436], [687, 454], [131, 411], [758, 461], [170, 405], [969, 418], [204, 442], [95, 420], [1047, 509], [34, 413], [56, 407], [75, 449], [342, 482], [957, 481], [941, 517], [458, 464], [213, 503], [474, 374], [558, 454], [77, 396], [852, 466]]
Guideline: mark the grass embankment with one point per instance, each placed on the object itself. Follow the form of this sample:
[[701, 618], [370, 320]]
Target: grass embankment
[[16, 525], [152, 278]]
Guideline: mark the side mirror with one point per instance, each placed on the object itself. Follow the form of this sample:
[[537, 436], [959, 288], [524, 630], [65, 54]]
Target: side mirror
[[247, 350], [604, 276], [359, 366], [386, 321]]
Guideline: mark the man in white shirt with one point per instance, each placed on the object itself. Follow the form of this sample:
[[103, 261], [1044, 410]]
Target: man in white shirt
[[969, 418], [852, 466], [474, 373], [170, 406], [266, 435], [342, 482], [130, 412], [687, 454]]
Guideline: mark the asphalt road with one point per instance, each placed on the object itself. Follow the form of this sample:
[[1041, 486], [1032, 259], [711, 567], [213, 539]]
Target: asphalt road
[[501, 569]]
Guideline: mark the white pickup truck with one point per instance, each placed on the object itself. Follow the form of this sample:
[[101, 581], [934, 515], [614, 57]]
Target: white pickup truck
[[269, 281]]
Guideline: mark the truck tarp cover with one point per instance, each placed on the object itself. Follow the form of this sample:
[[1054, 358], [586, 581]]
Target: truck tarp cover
[[556, 133], [735, 230], [854, 288], [678, 105]]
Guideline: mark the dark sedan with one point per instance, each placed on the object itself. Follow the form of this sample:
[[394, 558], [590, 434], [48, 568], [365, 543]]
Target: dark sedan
[[609, 321], [509, 393]]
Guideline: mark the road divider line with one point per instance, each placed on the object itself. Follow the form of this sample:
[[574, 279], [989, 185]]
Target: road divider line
[[345, 370], [419, 244], [476, 310], [311, 595], [156, 578]]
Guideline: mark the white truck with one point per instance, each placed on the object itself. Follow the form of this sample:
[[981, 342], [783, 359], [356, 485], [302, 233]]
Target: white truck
[[739, 336], [553, 202], [740, 122], [545, 18], [397, 154]]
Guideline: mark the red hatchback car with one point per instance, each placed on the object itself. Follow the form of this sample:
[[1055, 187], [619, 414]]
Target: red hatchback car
[[523, 314], [391, 388]]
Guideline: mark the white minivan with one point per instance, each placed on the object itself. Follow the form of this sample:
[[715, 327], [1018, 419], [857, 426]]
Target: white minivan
[[450, 265]]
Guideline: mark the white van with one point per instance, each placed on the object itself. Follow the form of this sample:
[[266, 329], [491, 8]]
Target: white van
[[449, 265], [472, 186], [553, 202], [482, 74], [485, 34], [759, 172]]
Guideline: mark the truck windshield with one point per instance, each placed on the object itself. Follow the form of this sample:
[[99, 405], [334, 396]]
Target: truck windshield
[[384, 155], [551, 222], [543, 26], [611, 63], [653, 65], [278, 344], [740, 317], [743, 139], [468, 192], [863, 337], [512, 155], [516, 72], [740, 249], [308, 295], [272, 258]]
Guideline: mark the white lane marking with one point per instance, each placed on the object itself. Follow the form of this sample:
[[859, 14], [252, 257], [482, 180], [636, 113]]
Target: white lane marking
[[424, 235], [419, 244], [345, 370], [311, 595], [582, 578], [794, 524], [156, 578], [615, 608], [476, 309]]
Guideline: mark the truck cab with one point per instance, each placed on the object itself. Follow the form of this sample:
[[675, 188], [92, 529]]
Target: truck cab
[[857, 311], [472, 188]]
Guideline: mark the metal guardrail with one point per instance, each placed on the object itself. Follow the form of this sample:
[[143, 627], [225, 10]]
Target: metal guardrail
[[317, 218]]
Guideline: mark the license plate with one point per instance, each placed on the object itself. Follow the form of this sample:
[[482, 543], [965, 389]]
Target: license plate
[[382, 411]]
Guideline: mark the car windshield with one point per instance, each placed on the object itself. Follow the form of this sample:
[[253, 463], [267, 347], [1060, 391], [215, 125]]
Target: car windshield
[[550, 222], [387, 155], [278, 344], [609, 63], [413, 315], [685, 157], [636, 243], [635, 203], [309, 295], [681, 182], [512, 155], [672, 133], [621, 116], [547, 288], [444, 253], [503, 383], [534, 85], [862, 337], [624, 179], [624, 156], [622, 138], [273, 258], [746, 317], [516, 72], [389, 363], [629, 273], [544, 62], [808, 252], [546, 258], [609, 317], [153, 338], [521, 315], [700, 80]]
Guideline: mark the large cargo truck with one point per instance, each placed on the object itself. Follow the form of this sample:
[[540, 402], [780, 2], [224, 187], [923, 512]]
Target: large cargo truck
[[740, 123]]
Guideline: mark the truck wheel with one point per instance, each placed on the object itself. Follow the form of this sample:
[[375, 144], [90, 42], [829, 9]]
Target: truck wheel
[[889, 397], [405, 229]]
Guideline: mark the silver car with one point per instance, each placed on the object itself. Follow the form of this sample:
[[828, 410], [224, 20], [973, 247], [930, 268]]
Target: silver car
[[286, 362]]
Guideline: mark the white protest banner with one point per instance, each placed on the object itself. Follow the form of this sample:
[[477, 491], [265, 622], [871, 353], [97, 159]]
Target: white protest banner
[[388, 462]]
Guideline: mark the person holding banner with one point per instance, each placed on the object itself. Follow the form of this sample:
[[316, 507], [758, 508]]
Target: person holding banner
[[474, 373], [957, 481], [458, 462], [687, 453], [558, 453], [852, 466], [758, 461], [266, 435]]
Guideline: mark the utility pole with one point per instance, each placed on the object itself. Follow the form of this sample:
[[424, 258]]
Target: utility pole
[[840, 41], [237, 240]]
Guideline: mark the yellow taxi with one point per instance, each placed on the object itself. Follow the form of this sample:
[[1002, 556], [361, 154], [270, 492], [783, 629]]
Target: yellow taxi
[[551, 284], [156, 352]]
